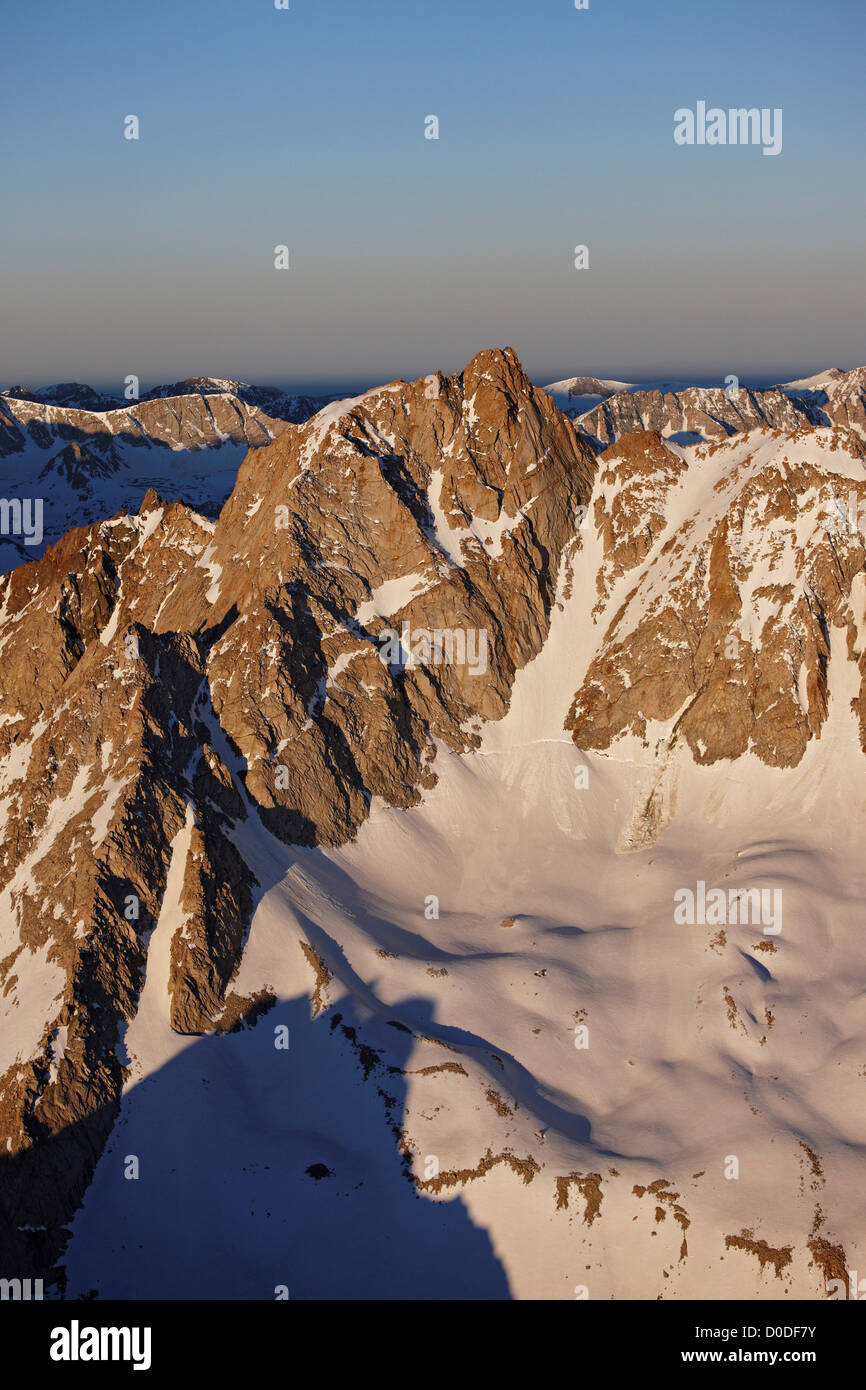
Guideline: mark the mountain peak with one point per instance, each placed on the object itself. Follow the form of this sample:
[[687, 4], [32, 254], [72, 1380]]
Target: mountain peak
[[496, 364]]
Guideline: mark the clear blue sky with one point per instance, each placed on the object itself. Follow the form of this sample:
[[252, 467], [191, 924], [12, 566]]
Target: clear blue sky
[[306, 127]]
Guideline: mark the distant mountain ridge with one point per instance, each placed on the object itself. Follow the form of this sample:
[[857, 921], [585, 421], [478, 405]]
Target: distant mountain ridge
[[604, 410], [87, 456], [76, 395]]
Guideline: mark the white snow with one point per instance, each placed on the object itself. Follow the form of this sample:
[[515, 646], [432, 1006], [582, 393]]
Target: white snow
[[207, 562], [488, 534], [394, 594], [27, 1008], [149, 1040]]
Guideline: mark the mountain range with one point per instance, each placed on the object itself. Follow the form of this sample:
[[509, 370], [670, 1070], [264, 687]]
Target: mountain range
[[88, 455], [432, 870]]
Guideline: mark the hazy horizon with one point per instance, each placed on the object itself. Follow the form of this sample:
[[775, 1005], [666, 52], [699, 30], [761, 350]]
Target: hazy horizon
[[325, 387]]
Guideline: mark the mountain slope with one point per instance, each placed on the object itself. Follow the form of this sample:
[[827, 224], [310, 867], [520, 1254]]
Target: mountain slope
[[235, 782]]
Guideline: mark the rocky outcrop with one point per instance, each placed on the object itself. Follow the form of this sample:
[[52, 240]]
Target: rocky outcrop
[[181, 422], [693, 415], [840, 401], [730, 574]]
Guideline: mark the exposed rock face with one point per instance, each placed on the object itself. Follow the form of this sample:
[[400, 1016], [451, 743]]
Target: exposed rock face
[[730, 573], [164, 677], [444, 505], [841, 400], [695, 414], [634, 481], [605, 411], [180, 422], [276, 404], [111, 758]]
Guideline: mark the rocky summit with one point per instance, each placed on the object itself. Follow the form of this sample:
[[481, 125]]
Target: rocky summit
[[345, 828]]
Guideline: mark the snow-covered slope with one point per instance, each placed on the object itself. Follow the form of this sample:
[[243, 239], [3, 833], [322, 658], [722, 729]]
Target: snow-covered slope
[[577, 394]]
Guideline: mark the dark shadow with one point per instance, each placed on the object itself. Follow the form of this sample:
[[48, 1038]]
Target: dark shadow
[[417, 1015], [259, 1168]]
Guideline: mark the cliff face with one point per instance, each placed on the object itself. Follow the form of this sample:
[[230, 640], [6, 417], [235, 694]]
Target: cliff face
[[737, 570], [182, 422], [841, 401]]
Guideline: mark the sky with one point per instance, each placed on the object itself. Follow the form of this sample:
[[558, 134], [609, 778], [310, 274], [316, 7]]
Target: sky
[[305, 127]]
